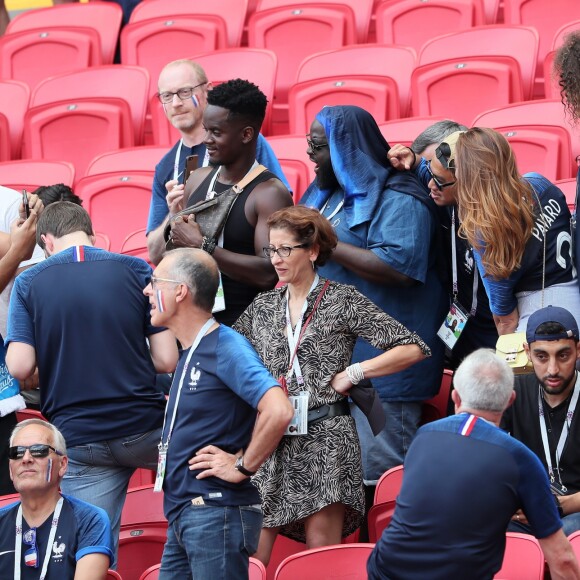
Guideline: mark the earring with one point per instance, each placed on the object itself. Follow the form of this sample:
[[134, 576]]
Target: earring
[[313, 266]]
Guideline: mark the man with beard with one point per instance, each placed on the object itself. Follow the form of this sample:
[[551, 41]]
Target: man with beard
[[543, 416], [232, 121], [387, 248]]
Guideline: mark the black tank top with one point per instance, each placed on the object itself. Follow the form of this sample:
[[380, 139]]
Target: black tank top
[[238, 238]]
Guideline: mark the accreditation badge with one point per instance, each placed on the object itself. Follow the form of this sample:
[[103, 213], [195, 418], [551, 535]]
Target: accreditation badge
[[453, 325]]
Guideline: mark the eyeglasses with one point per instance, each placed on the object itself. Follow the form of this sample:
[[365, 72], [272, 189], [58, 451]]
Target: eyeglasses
[[155, 280], [437, 181], [282, 251], [183, 94], [37, 450], [314, 147]]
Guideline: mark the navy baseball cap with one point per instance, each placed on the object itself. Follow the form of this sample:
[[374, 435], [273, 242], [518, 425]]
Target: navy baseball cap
[[551, 314]]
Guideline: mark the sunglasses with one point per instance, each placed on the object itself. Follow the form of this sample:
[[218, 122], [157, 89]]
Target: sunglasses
[[31, 554], [37, 450], [314, 147], [440, 185]]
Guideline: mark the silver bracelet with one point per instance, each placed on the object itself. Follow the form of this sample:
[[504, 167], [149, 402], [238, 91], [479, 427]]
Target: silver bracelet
[[355, 373]]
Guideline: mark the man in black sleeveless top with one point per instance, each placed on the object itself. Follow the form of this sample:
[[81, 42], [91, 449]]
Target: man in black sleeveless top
[[232, 122]]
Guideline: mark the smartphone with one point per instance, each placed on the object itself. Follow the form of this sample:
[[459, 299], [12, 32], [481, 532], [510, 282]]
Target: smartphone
[[25, 203], [190, 165]]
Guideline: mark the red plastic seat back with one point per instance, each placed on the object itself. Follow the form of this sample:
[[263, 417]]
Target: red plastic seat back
[[104, 17], [379, 517], [31, 174], [14, 99], [395, 62], [5, 145], [232, 11], [140, 548], [362, 10], [389, 485], [412, 23], [130, 83], [377, 95], [340, 561], [142, 506], [77, 130], [568, 187], [436, 407], [293, 147], [519, 42], [318, 28], [135, 244], [118, 203], [154, 43], [404, 131], [129, 159], [438, 88], [151, 573], [523, 558], [33, 55]]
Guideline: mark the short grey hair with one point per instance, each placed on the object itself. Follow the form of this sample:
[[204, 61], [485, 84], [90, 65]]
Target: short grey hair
[[58, 441], [484, 382], [435, 134]]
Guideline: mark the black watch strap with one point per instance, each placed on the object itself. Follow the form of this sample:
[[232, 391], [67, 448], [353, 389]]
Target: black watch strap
[[239, 465]]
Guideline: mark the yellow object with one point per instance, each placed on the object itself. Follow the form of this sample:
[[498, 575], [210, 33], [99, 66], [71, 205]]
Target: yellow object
[[26, 4]]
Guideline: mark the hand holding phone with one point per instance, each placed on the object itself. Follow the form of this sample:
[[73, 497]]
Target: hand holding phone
[[25, 203]]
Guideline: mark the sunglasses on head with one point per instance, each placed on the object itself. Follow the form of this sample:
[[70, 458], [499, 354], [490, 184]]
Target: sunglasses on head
[[38, 450]]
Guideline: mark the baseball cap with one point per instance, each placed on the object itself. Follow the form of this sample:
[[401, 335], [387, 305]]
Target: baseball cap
[[446, 150], [551, 314]]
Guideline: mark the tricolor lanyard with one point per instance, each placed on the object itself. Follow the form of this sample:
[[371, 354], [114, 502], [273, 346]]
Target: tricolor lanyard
[[18, 545], [563, 434], [163, 446], [454, 270], [293, 337], [176, 172]]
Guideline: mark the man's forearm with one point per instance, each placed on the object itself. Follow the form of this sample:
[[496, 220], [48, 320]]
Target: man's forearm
[[156, 243], [248, 269]]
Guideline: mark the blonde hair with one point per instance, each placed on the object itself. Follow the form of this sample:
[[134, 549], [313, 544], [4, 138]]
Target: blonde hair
[[495, 203], [197, 68]]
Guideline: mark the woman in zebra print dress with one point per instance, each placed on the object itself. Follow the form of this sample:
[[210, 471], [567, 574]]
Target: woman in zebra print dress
[[312, 486]]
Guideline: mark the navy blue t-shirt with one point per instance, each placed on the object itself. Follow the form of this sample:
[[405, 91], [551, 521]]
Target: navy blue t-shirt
[[82, 529], [84, 312], [460, 489], [224, 383]]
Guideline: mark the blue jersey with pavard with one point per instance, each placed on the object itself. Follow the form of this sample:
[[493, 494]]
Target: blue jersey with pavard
[[84, 312], [82, 529], [224, 384]]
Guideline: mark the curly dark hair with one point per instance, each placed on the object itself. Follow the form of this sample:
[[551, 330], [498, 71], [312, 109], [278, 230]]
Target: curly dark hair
[[243, 99], [309, 227], [59, 192], [567, 70]]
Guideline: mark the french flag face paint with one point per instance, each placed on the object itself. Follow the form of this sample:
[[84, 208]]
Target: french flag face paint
[[49, 470], [195, 101], [160, 304]]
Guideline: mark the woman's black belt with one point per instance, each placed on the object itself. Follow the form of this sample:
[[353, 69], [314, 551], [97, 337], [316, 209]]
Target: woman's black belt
[[328, 411]]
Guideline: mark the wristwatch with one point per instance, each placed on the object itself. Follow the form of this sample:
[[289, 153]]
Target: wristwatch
[[239, 465]]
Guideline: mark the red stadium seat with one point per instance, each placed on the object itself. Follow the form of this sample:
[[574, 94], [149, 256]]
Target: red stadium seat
[[395, 62], [563, 31], [389, 485], [438, 88], [129, 159], [155, 42], [436, 407], [543, 149], [551, 87], [102, 241], [318, 28], [379, 517], [14, 99], [142, 506], [151, 573], [25, 414], [523, 558], [8, 499], [135, 244], [112, 575], [362, 10], [77, 130], [232, 11], [413, 23], [141, 477], [568, 187], [33, 55], [256, 570], [140, 548], [104, 17], [532, 114], [404, 131], [31, 174], [547, 17], [377, 95], [293, 147], [519, 42], [574, 539], [118, 203], [340, 561], [5, 144], [130, 83], [491, 11]]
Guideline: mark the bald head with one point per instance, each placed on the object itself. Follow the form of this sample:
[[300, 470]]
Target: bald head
[[187, 66], [198, 270]]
